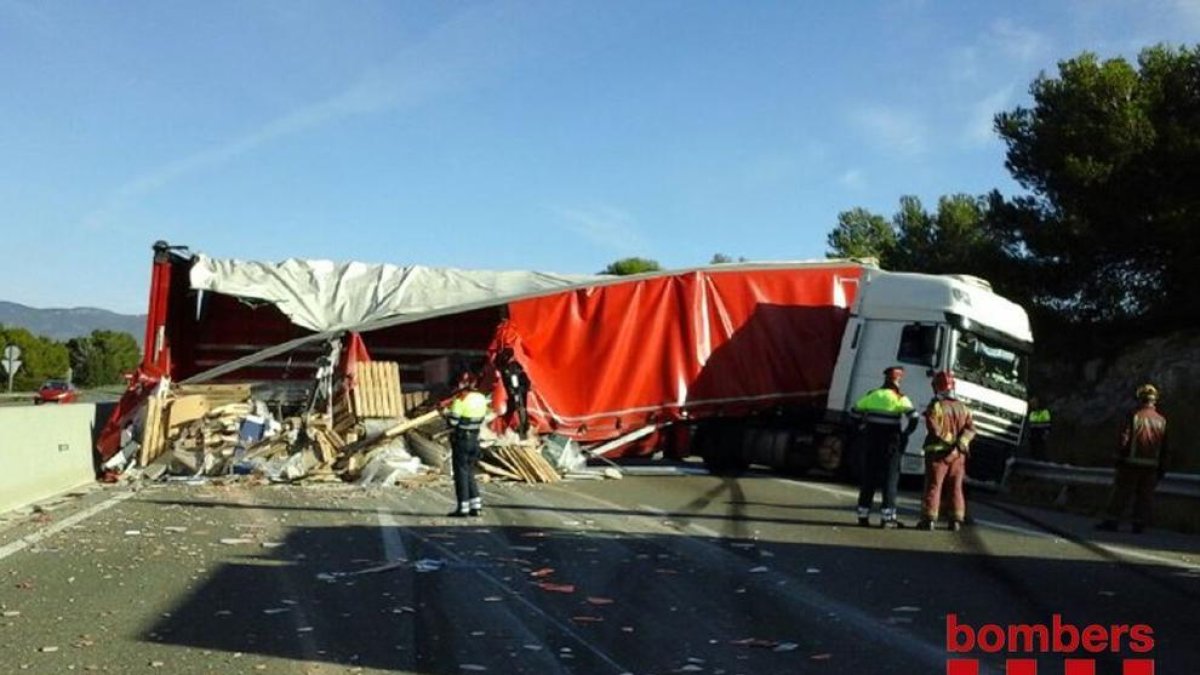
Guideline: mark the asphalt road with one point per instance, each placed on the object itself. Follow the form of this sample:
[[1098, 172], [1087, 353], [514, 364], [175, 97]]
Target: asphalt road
[[649, 574]]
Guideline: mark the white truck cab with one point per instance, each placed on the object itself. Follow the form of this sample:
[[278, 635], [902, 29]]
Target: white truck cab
[[928, 323]]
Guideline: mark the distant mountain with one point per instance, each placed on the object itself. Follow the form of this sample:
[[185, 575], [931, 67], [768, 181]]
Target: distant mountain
[[64, 324]]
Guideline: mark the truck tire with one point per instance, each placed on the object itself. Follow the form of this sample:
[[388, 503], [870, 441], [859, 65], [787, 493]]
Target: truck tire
[[783, 449], [830, 453], [720, 446], [840, 456]]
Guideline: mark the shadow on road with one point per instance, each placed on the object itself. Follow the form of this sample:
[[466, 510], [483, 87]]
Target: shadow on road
[[525, 600]]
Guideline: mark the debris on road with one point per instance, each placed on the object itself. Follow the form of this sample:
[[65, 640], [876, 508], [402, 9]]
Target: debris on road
[[353, 424]]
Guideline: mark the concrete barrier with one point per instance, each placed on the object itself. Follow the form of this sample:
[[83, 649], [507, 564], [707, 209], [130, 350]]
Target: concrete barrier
[[44, 450]]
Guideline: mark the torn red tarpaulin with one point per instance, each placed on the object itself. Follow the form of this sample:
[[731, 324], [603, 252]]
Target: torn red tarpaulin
[[609, 359]]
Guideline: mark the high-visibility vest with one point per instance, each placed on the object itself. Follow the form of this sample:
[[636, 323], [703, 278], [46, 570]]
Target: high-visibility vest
[[883, 406], [467, 412], [1039, 419]]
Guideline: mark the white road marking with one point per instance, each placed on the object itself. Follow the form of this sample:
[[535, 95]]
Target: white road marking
[[30, 540]]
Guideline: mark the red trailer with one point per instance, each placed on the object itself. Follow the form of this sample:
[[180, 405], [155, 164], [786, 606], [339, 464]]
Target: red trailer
[[605, 355]]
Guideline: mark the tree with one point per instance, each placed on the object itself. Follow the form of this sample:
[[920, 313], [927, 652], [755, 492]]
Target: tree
[[861, 234], [41, 358], [103, 357], [1111, 153], [723, 259], [959, 238], [627, 266]]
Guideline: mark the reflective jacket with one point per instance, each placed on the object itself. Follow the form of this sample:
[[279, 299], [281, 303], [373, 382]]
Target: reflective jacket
[[1039, 420], [467, 411], [1144, 438], [886, 406], [949, 425]]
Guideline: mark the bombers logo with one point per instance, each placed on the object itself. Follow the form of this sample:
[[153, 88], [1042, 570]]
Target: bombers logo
[[1056, 639]]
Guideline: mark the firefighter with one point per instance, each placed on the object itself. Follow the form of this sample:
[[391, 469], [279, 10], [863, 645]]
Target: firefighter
[[886, 418], [950, 429], [465, 414], [1039, 428], [516, 386], [1141, 461]]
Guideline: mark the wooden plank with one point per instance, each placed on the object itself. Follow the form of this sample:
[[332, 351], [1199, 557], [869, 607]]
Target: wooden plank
[[520, 466], [239, 392], [362, 390], [158, 441], [147, 430], [397, 391], [152, 433], [498, 471], [335, 438], [376, 392], [500, 460], [390, 386], [325, 450], [187, 409], [534, 466], [411, 424]]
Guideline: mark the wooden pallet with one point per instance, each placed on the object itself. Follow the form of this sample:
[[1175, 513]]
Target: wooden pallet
[[376, 390]]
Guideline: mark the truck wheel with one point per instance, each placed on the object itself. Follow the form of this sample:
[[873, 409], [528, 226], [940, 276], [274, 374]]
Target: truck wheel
[[844, 458], [721, 448], [831, 453]]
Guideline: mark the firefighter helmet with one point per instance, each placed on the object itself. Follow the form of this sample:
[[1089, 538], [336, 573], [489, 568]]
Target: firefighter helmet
[[1147, 392], [943, 380]]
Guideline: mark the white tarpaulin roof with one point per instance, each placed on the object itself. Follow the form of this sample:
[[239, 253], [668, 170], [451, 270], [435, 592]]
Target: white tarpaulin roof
[[323, 295]]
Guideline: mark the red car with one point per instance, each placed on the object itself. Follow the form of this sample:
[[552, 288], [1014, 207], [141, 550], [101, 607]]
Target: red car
[[56, 391]]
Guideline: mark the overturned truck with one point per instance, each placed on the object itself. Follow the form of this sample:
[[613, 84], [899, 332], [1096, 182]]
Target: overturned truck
[[741, 364]]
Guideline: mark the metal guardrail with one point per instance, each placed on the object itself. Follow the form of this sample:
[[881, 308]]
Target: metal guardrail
[[1177, 484]]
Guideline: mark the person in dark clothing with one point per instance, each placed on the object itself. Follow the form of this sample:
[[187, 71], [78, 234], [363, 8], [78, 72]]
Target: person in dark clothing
[[516, 385], [885, 418], [465, 413], [1038, 422], [1141, 461]]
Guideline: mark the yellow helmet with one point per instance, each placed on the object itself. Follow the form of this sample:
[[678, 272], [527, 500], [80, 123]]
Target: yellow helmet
[[1147, 392]]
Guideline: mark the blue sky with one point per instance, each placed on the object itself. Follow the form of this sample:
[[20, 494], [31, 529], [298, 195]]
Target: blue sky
[[555, 135]]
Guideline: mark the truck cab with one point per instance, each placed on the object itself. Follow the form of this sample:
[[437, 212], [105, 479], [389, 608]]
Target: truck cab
[[928, 323]]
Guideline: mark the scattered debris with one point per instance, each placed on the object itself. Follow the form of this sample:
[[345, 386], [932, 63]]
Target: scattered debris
[[429, 565]]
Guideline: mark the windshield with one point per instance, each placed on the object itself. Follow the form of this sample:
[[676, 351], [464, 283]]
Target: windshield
[[985, 362]]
